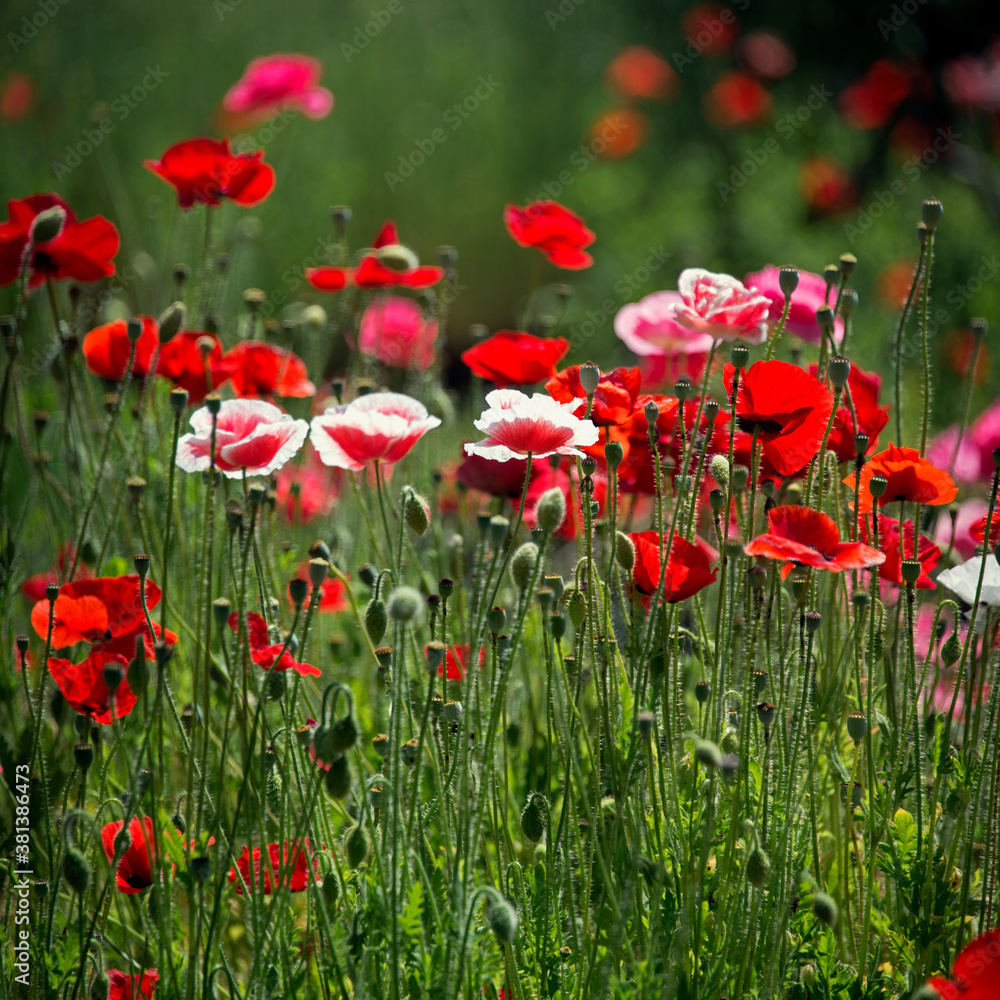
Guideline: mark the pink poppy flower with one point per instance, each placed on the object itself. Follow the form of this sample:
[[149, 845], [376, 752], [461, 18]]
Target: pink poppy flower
[[649, 328], [394, 330], [809, 295], [985, 435], [971, 514], [273, 83], [307, 490], [719, 305], [517, 425], [251, 435], [966, 466], [379, 427]]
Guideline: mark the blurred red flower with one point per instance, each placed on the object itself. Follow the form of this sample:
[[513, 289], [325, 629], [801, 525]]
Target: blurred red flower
[[106, 349], [711, 28], [122, 986], [498, 479], [688, 566], [801, 536], [639, 72], [205, 171], [978, 531], [187, 360], [870, 102], [135, 870], [898, 546], [84, 688], [82, 251], [256, 368], [553, 230], [766, 55], [286, 865], [973, 974], [395, 331], [786, 406], [265, 653], [959, 348], [614, 397], [894, 283], [975, 82], [17, 97], [33, 588], [864, 389], [736, 98], [618, 133], [511, 357], [911, 478], [825, 185], [308, 490]]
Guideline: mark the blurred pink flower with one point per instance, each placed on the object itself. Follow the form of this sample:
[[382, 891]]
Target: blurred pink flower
[[809, 295], [721, 306], [307, 491], [970, 513], [985, 435], [394, 330], [967, 466], [766, 55], [273, 83], [649, 328], [975, 82]]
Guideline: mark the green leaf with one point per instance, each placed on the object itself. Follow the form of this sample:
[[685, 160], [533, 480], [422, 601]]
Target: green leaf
[[410, 920]]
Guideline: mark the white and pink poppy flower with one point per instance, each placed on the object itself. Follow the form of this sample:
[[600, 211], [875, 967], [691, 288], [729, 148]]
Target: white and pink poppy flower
[[719, 305], [251, 435], [963, 580], [380, 427], [809, 295], [517, 425], [648, 328], [273, 83]]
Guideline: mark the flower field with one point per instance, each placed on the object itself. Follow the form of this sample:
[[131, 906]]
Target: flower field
[[326, 672]]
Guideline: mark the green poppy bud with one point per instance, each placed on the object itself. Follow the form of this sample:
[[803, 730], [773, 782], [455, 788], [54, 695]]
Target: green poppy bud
[[416, 512], [551, 510], [76, 870], [758, 868], [624, 551], [404, 604], [338, 779], [533, 817], [357, 845], [824, 909], [376, 619], [503, 919]]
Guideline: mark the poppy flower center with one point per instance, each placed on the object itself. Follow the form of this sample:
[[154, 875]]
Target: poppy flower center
[[136, 881], [748, 425]]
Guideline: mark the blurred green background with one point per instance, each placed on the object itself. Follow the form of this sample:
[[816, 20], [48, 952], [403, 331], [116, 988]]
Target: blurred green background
[[655, 211]]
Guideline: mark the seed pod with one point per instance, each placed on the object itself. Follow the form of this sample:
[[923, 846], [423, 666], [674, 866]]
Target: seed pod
[[200, 868], [275, 685], [951, 650], [76, 870], [533, 817], [702, 690], [496, 619], [857, 726], [338, 779], [758, 868], [357, 844], [766, 712]]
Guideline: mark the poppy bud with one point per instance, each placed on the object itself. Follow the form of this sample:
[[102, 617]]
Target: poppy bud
[[707, 753], [711, 410], [765, 713], [590, 376], [113, 674], [682, 388], [910, 571], [122, 842], [435, 654], [502, 918], [496, 619], [702, 691], [848, 302], [624, 551], [739, 355], [83, 755], [357, 844], [756, 576], [839, 369], [498, 531], [314, 317], [318, 568], [741, 475], [48, 224], [788, 279], [878, 484], [367, 575], [100, 987], [857, 726], [824, 909], [613, 454], [848, 262], [221, 607], [861, 443], [416, 512], [171, 321], [338, 779], [832, 274], [533, 817], [931, 212], [758, 868], [651, 412], [404, 604], [298, 590], [644, 722], [951, 650], [200, 868], [557, 626], [397, 257], [979, 327], [577, 608], [522, 565], [551, 510]]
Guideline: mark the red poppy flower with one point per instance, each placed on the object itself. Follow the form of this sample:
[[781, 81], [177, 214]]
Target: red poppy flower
[[372, 273], [33, 588], [864, 389], [332, 592], [712, 27], [801, 536], [637, 471], [670, 441], [639, 72], [960, 347], [17, 97], [498, 479], [552, 229], [206, 171], [736, 98], [124, 987], [83, 251], [307, 490], [96, 611], [825, 186], [978, 531], [258, 369], [456, 661], [911, 478], [897, 549], [618, 133], [688, 566], [106, 348], [83, 686], [286, 864], [787, 407], [614, 397], [511, 357], [265, 653], [187, 359], [135, 870], [869, 102], [973, 974]]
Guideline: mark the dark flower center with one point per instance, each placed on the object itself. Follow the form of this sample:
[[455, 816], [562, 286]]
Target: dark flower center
[[748, 425]]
